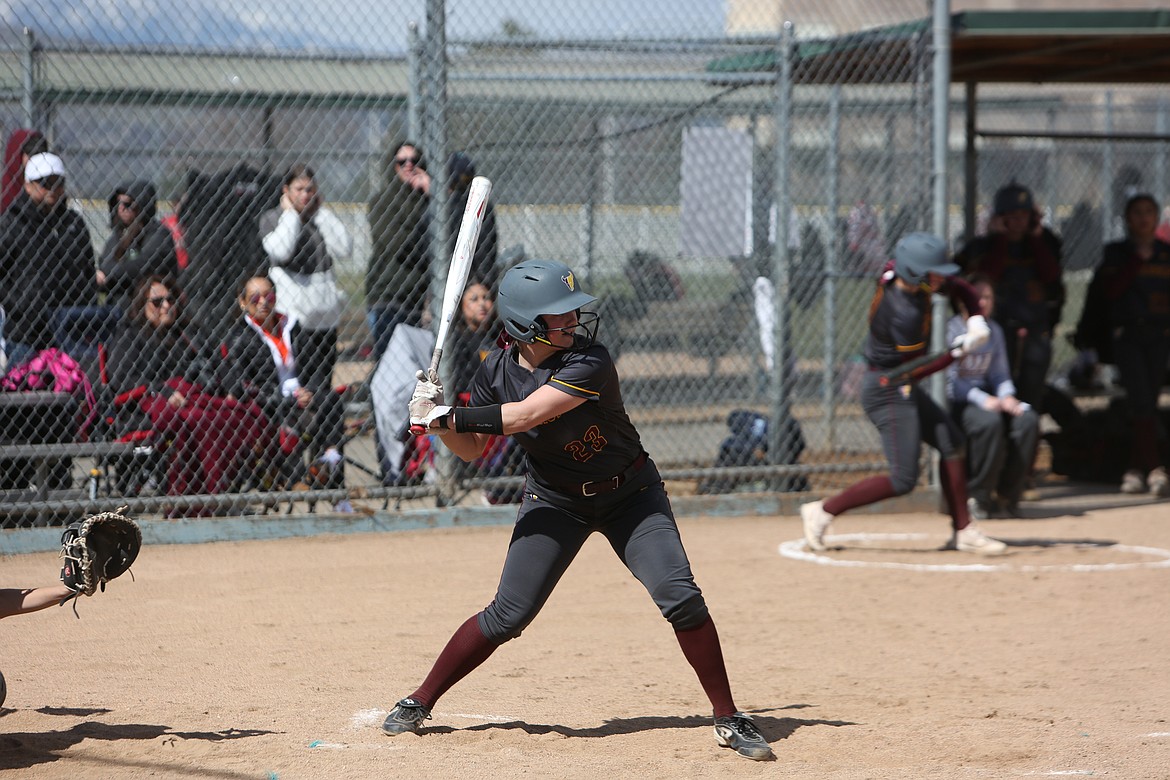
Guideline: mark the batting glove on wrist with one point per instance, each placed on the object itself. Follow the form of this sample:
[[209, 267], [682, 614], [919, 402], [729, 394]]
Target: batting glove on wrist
[[440, 413], [427, 395], [976, 336]]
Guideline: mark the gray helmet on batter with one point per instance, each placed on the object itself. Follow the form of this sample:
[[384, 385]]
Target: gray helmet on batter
[[533, 288], [919, 254]]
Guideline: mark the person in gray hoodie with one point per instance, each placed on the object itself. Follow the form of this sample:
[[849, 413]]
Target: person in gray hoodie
[[139, 246]]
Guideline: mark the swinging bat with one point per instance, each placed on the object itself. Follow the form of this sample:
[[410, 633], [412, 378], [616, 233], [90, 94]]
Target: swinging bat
[[913, 370], [477, 196]]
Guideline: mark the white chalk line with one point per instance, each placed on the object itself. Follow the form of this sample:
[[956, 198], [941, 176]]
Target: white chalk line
[[797, 549], [373, 718]]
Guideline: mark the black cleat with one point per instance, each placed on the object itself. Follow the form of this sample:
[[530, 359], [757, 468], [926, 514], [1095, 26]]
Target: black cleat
[[740, 734], [407, 715]]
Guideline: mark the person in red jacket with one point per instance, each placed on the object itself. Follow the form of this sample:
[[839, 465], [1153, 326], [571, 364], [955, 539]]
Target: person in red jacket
[[22, 144]]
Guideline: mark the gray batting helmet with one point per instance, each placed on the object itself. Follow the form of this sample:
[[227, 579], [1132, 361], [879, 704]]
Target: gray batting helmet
[[533, 288], [919, 254]]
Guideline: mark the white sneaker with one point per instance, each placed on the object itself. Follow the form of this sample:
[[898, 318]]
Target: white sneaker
[[1132, 482], [1159, 483], [973, 540], [816, 521], [343, 507]]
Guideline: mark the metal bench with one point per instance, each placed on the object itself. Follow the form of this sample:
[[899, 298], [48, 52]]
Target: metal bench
[[44, 456]]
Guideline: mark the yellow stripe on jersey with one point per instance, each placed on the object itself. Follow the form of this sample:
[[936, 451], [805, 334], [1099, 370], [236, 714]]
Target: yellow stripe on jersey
[[910, 347], [580, 389]]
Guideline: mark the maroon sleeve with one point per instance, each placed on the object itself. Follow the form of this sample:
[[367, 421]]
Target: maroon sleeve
[[961, 289]]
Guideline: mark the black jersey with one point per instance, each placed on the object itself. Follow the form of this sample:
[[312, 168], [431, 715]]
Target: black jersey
[[899, 327], [594, 441]]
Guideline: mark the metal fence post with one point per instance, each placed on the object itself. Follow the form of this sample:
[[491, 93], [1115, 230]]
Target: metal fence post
[[780, 259], [833, 183]]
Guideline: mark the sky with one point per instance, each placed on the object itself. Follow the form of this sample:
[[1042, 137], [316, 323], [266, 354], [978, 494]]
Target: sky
[[373, 26]]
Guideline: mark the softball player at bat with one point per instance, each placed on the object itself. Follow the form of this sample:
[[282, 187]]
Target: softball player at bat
[[555, 391], [899, 331]]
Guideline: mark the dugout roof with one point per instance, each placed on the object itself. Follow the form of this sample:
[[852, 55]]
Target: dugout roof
[[1076, 47]]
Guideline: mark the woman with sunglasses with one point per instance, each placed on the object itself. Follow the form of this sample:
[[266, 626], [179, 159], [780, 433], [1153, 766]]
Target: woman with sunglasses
[[398, 272], [556, 393], [162, 375], [261, 366]]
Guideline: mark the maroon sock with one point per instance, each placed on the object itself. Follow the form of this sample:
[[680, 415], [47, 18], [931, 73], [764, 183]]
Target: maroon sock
[[701, 648], [467, 649], [867, 491], [953, 481]]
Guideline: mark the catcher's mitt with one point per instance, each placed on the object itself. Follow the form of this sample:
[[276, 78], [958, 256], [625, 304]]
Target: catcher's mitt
[[96, 550]]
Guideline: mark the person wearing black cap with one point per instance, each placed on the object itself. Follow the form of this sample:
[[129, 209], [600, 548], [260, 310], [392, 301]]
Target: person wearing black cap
[[1022, 259], [905, 415], [460, 172]]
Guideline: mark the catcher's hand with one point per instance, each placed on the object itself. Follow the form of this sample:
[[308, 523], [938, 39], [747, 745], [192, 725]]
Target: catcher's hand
[[96, 550]]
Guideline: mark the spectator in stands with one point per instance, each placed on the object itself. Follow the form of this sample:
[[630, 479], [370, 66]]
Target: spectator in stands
[[304, 239], [162, 374], [473, 335], [138, 246], [398, 274], [22, 144], [460, 172], [261, 365], [1130, 292], [1022, 259], [46, 258], [1001, 430]]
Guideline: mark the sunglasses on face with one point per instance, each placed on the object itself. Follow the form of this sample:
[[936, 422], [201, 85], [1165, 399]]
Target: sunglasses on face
[[51, 182], [268, 297], [160, 300], [404, 160], [126, 204]]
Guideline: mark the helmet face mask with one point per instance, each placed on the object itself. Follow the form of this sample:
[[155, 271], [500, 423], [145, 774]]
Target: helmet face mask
[[584, 332], [541, 287]]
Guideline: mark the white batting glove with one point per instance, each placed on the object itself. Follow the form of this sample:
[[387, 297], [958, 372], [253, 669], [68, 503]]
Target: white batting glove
[[976, 336], [425, 390], [424, 421]]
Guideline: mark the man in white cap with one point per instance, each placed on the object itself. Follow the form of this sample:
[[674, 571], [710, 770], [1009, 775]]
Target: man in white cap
[[46, 258]]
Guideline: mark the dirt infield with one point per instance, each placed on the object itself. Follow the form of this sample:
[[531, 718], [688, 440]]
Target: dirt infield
[[279, 659]]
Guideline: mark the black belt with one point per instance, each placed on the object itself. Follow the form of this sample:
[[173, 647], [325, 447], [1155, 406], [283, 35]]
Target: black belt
[[611, 483]]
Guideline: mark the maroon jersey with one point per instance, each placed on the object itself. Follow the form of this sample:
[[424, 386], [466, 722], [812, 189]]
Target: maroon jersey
[[594, 441]]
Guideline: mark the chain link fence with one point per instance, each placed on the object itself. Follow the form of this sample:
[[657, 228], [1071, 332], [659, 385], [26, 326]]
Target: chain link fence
[[197, 179]]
